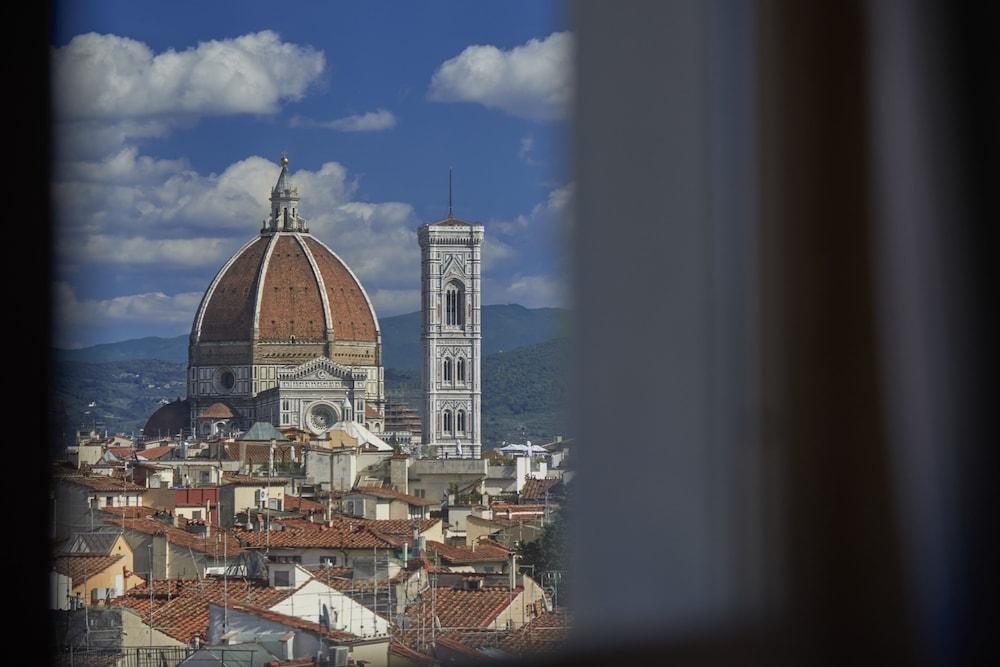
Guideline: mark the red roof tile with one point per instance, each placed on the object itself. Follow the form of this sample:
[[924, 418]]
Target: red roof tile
[[101, 483], [180, 607], [317, 535], [544, 634], [459, 608], [485, 551], [297, 504], [154, 453], [392, 494], [534, 489], [82, 566], [252, 480], [213, 545], [216, 411], [291, 621]]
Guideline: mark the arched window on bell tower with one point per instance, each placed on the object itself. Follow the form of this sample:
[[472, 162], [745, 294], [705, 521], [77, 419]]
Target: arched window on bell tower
[[447, 422], [447, 369], [460, 369], [454, 298], [461, 421]]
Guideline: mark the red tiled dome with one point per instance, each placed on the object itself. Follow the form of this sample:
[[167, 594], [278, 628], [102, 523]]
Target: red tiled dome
[[169, 419], [276, 284]]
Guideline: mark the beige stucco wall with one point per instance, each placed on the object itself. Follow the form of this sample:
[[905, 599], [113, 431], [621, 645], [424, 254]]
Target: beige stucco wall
[[375, 653], [107, 577], [237, 498], [137, 633]]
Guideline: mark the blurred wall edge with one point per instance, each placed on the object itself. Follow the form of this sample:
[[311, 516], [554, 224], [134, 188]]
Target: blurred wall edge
[[777, 287]]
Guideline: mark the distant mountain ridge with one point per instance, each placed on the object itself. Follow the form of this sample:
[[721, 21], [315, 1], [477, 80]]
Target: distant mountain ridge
[[524, 393], [505, 327]]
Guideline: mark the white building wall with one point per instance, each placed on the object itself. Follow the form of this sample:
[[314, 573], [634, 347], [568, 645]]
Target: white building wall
[[307, 603]]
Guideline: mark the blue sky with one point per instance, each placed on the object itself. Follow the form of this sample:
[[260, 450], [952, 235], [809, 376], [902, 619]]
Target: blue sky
[[170, 119]]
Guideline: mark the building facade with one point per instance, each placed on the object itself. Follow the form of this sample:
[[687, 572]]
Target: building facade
[[451, 336], [285, 333]]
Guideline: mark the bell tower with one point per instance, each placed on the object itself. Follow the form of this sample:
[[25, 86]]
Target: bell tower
[[451, 335]]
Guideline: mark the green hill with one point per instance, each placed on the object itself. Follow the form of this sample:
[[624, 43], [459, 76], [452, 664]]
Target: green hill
[[505, 327], [524, 392]]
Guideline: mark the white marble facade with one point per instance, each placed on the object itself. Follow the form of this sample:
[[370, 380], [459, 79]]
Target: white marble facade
[[451, 336]]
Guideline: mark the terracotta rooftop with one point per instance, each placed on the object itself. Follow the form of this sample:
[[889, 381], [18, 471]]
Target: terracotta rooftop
[[102, 483], [216, 411], [121, 452], [180, 606], [252, 480], [290, 621], [211, 546], [260, 453], [460, 608], [81, 566], [410, 654], [392, 494], [154, 453], [485, 551], [297, 504], [534, 489], [317, 535], [543, 634]]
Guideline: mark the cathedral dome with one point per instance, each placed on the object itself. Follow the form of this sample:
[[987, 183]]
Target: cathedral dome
[[168, 420], [285, 286], [283, 301]]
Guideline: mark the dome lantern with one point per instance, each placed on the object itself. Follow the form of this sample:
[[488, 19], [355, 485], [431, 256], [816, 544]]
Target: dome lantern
[[285, 204]]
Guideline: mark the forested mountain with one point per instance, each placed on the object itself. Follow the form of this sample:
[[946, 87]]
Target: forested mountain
[[505, 327], [524, 366]]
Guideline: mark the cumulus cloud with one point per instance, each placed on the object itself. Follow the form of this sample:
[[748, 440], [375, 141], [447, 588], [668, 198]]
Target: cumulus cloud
[[556, 208], [152, 307], [389, 302], [536, 291], [112, 77], [372, 121], [127, 213], [534, 80], [526, 151], [495, 251], [138, 250]]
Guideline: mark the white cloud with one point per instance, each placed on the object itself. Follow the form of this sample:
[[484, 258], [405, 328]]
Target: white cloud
[[372, 121], [557, 207], [95, 139], [526, 151], [534, 80], [112, 77], [495, 251], [152, 307], [124, 167], [130, 212], [537, 291], [107, 249], [389, 302]]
